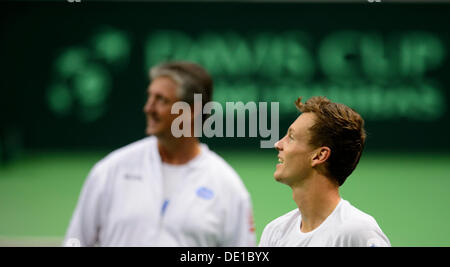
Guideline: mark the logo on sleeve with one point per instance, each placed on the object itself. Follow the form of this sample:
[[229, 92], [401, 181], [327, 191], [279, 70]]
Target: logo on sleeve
[[251, 222], [375, 242], [205, 193]]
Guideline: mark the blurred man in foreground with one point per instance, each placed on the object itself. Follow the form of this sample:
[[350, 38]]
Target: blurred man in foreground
[[162, 190], [320, 150]]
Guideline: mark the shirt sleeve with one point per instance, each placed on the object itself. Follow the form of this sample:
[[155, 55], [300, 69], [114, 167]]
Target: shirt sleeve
[[265, 237], [86, 220], [364, 237], [369, 238]]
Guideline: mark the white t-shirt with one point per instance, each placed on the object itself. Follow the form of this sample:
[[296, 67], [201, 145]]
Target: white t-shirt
[[122, 203], [172, 176], [346, 226]]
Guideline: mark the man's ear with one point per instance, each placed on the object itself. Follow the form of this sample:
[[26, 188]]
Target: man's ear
[[197, 108], [320, 156]]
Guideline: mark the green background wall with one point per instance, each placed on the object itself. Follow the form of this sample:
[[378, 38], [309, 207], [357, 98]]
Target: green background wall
[[74, 79]]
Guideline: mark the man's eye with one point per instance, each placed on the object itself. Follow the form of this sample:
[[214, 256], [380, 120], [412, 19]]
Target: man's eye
[[161, 99], [291, 137]]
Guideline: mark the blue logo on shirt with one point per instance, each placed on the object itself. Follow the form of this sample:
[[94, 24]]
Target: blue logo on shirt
[[205, 193], [164, 206]]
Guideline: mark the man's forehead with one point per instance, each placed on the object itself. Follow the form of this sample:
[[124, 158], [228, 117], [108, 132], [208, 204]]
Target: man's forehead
[[303, 122], [163, 85], [163, 81]]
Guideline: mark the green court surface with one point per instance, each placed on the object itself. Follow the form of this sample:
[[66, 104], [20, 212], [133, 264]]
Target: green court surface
[[407, 193]]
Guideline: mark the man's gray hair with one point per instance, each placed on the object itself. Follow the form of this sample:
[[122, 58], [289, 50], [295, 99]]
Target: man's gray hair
[[190, 78]]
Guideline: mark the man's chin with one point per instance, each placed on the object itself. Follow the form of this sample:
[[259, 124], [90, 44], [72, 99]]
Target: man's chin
[[158, 133], [152, 131], [277, 177]]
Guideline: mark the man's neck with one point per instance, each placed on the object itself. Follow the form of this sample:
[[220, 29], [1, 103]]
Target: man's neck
[[178, 151], [316, 198]]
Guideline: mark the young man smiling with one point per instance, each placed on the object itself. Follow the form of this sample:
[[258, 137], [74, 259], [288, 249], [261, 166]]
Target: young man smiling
[[320, 150]]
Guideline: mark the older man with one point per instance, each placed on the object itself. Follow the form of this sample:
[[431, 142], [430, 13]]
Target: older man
[[162, 190]]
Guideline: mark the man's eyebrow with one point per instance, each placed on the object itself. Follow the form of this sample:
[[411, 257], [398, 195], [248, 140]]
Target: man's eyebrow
[[290, 130]]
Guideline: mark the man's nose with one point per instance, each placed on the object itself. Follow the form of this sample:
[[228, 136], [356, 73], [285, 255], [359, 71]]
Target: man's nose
[[277, 145], [149, 105]]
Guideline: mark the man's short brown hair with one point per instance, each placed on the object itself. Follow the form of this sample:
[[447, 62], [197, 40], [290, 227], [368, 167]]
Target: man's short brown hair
[[341, 129]]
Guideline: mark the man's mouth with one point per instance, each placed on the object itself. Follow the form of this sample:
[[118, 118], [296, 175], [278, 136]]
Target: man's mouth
[[152, 119], [280, 160]]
